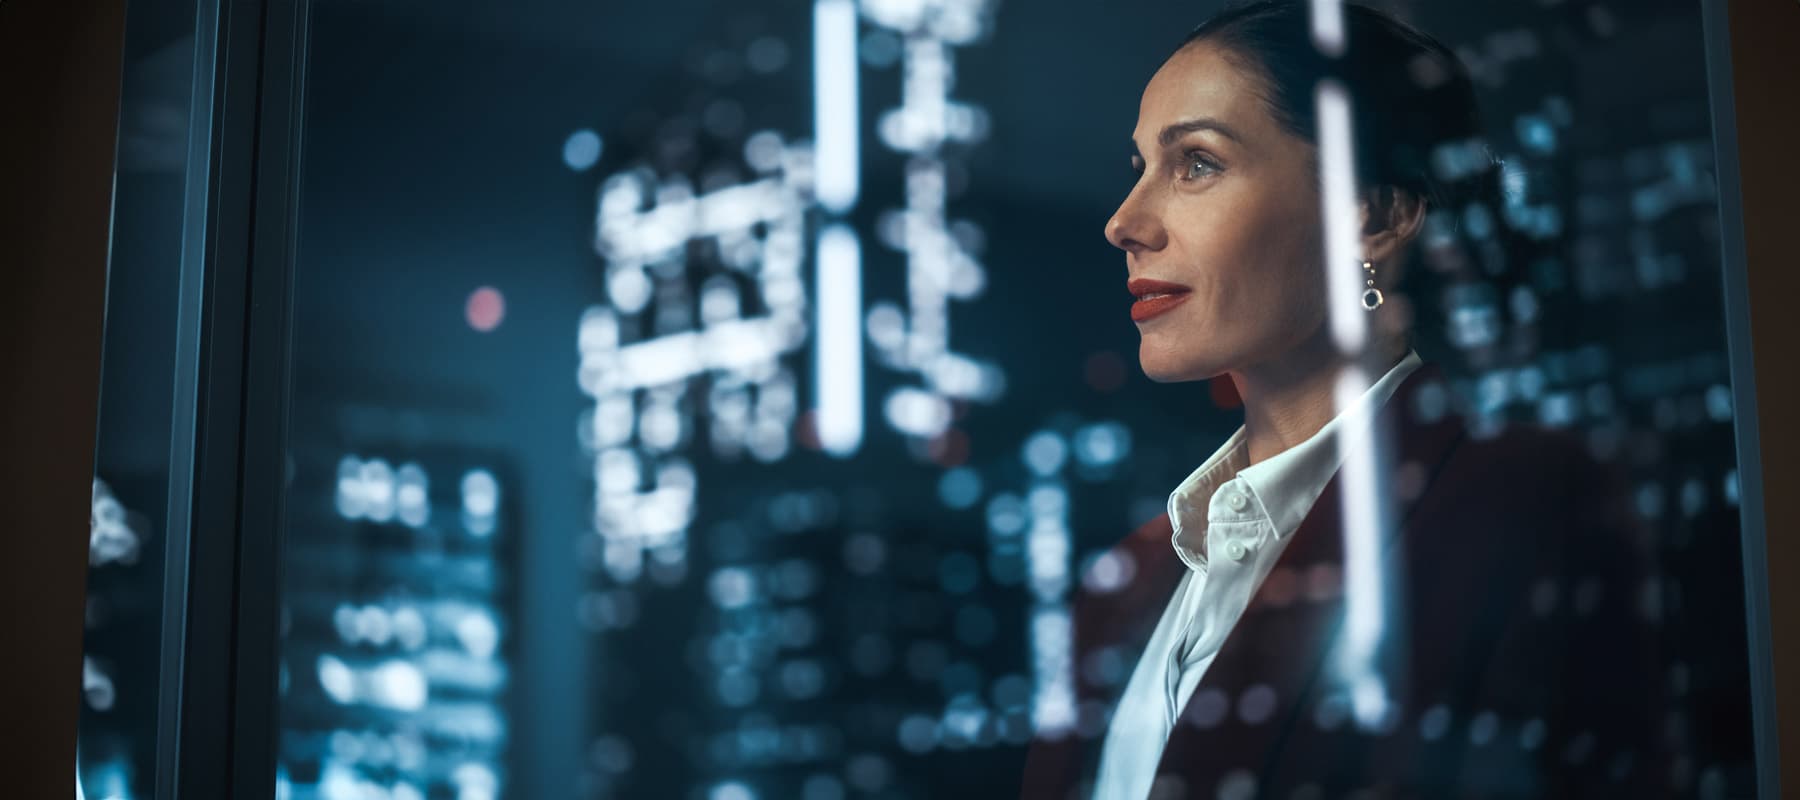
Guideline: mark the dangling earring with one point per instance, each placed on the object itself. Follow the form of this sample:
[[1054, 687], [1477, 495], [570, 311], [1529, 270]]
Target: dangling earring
[[1371, 297]]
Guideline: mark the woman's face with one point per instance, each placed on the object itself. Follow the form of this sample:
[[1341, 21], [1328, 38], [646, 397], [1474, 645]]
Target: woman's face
[[1224, 218]]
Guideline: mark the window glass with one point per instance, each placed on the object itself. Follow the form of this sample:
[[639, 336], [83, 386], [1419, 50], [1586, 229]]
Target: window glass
[[137, 485], [743, 401]]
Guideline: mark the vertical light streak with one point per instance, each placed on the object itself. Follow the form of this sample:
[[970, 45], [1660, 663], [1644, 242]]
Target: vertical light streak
[[1052, 638], [1328, 26], [1362, 504], [1052, 630], [835, 113], [1343, 240], [838, 339], [1364, 521]]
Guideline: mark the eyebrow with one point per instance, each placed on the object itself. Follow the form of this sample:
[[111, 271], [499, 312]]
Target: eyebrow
[[1176, 130]]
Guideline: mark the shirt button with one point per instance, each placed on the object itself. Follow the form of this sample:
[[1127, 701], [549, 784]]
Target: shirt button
[[1236, 501], [1236, 551]]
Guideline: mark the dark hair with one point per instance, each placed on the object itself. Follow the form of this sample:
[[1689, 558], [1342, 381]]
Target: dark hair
[[1409, 94], [1415, 122]]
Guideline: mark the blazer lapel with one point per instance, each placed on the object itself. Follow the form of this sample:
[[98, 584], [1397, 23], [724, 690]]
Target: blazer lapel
[[1273, 659], [1280, 652]]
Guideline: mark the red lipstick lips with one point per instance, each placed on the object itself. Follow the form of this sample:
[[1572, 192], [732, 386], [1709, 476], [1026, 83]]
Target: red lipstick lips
[[1154, 297]]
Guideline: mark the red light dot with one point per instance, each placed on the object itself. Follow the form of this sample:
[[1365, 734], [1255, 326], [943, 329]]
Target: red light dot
[[950, 448], [806, 430], [485, 309]]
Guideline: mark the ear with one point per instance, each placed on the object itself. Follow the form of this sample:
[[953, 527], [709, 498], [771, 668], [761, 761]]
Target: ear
[[1392, 217]]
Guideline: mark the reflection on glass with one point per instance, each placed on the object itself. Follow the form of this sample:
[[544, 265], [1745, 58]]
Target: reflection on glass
[[847, 428], [394, 660], [134, 482]]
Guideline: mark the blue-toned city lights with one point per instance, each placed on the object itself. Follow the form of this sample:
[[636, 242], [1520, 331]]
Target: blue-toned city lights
[[1102, 444], [114, 535], [960, 488], [421, 657], [412, 501], [582, 150], [1045, 453], [365, 489], [917, 412]]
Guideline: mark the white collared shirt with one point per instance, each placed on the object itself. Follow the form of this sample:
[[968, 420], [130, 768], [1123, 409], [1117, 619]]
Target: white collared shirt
[[1232, 519]]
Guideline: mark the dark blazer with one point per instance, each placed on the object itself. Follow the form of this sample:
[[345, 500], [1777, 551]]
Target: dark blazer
[[1518, 643]]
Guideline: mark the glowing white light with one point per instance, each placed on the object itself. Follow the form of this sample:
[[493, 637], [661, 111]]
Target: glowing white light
[[97, 686], [613, 420], [763, 151], [480, 526], [475, 781], [835, 112], [480, 493], [1048, 541], [478, 634], [336, 678], [719, 300], [398, 685], [411, 495], [630, 289], [372, 625], [731, 790], [350, 502], [887, 326], [1365, 521], [732, 587], [409, 627], [599, 331], [1343, 240], [111, 537], [917, 412], [378, 490], [1328, 26], [659, 425], [957, 375], [1102, 443], [617, 471], [839, 342], [1052, 636], [646, 223]]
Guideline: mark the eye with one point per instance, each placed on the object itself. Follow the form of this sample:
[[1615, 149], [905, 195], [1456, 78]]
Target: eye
[[1137, 164], [1197, 165]]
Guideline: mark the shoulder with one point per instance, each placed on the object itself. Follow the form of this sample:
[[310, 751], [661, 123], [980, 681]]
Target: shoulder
[[1535, 487], [1527, 466]]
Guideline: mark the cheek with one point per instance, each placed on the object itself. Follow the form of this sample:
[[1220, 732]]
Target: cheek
[[1255, 260], [1257, 263]]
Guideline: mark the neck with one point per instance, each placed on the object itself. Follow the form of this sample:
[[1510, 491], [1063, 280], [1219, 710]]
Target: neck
[[1290, 398]]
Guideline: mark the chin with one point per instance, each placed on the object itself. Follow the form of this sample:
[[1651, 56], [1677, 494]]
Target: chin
[[1165, 367]]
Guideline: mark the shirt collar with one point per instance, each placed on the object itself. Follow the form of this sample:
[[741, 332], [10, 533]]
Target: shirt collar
[[1188, 503], [1284, 486], [1290, 482]]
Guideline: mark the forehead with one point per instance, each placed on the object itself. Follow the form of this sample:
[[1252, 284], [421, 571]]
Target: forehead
[[1200, 81]]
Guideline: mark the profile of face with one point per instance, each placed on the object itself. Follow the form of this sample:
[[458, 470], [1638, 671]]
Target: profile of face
[[1223, 221]]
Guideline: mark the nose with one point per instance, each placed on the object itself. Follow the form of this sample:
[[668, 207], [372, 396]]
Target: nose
[[1135, 227]]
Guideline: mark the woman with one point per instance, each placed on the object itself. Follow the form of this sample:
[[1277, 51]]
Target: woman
[[1355, 592]]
